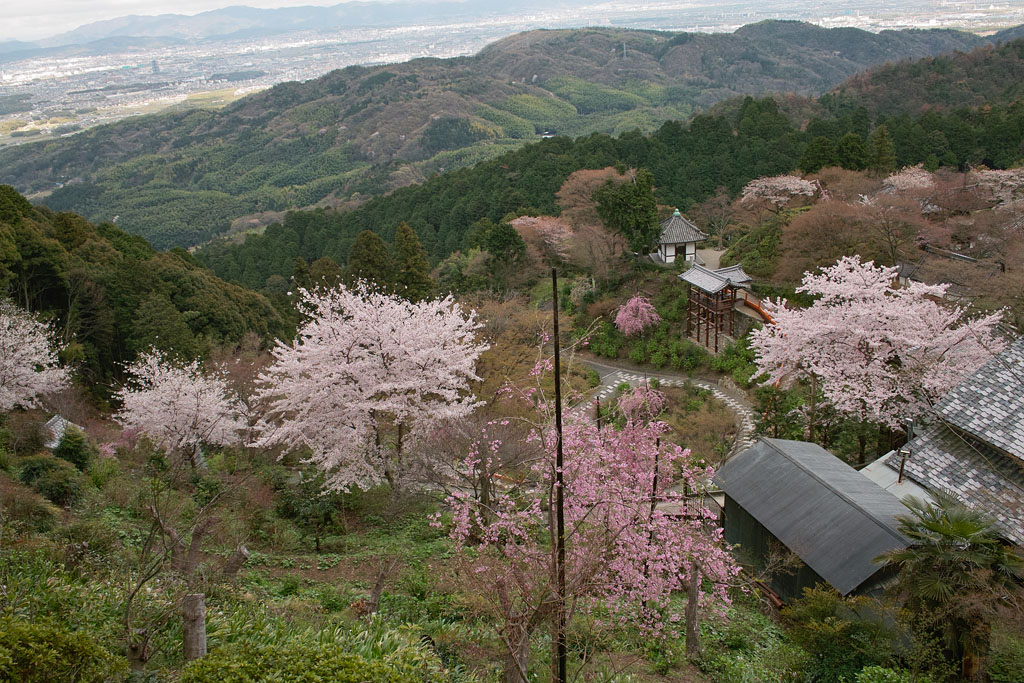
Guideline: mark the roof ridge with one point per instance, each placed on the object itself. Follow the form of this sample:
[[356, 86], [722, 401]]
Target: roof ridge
[[892, 532]]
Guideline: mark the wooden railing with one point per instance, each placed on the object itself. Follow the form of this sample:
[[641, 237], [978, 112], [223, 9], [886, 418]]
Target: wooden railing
[[753, 302]]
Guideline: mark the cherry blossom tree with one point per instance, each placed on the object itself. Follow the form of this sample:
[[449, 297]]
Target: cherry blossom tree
[[876, 352], [28, 365], [913, 180], [634, 539], [367, 374], [179, 406], [777, 190], [636, 316]]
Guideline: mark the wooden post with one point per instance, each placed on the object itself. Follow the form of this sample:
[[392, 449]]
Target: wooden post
[[560, 669], [193, 614], [598, 411]]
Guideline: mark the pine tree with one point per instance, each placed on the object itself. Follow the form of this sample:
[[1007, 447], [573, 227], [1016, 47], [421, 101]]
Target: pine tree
[[412, 270], [369, 260], [883, 153], [851, 153]]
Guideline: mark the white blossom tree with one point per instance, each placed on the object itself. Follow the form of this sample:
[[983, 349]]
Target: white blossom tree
[[777, 190], [367, 374], [179, 406], [28, 364], [877, 353]]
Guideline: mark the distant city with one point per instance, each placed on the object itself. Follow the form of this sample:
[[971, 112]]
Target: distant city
[[60, 91]]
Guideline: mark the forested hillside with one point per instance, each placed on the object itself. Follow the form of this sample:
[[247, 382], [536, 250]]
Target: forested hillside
[[689, 163], [990, 75], [110, 294], [181, 178]]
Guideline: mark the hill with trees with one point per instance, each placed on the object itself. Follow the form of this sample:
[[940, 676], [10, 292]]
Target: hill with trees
[[181, 178], [109, 295], [988, 75]]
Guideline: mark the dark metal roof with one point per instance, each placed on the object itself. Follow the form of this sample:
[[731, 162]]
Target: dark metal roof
[[832, 516], [990, 403], [712, 281], [676, 229]]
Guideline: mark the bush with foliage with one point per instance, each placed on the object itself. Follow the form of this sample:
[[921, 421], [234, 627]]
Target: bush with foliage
[[62, 486], [843, 635], [40, 652], [316, 659], [36, 466], [75, 448], [748, 647], [1006, 658]]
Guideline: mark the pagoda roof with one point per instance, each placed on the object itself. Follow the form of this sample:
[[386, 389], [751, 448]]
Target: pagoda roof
[[713, 281], [676, 229]]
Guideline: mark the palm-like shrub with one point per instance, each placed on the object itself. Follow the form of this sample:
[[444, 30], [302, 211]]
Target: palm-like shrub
[[956, 575]]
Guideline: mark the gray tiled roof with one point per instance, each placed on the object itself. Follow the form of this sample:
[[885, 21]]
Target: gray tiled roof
[[835, 518], [676, 229], [715, 280], [980, 476], [990, 403]]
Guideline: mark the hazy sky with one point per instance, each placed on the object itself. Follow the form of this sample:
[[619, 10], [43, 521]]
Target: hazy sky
[[32, 19]]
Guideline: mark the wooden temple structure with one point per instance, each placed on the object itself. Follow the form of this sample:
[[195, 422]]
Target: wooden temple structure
[[711, 300]]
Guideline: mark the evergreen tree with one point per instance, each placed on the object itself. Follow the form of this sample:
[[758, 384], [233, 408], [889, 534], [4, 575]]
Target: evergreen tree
[[507, 249], [819, 154], [325, 272], [74, 448], [882, 152], [301, 276], [851, 153], [369, 260], [159, 325], [630, 209], [412, 269]]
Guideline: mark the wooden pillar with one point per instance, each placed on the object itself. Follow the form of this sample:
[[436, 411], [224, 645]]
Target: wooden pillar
[[718, 315], [689, 308], [193, 612]]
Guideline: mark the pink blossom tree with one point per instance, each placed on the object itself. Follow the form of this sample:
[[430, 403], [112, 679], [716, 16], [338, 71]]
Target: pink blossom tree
[[636, 316], [179, 406], [367, 374], [28, 364], [633, 539], [877, 353]]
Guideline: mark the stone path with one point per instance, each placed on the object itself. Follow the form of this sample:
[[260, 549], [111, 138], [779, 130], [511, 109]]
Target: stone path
[[613, 375]]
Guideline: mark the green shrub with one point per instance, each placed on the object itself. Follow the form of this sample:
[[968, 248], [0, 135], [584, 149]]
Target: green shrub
[[37, 652], [299, 661], [1006, 659], [102, 470], [60, 486], [25, 508], [606, 340], [75, 448], [843, 635], [881, 674], [36, 466]]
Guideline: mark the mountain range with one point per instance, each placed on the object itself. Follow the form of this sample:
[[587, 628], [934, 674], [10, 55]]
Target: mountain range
[[182, 178]]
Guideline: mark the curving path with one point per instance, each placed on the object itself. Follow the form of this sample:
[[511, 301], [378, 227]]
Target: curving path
[[612, 374]]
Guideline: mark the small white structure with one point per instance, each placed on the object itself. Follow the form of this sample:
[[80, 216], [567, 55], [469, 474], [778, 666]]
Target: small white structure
[[53, 430], [679, 238]]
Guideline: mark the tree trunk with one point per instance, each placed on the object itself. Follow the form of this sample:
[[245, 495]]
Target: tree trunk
[[517, 660], [138, 653], [193, 613], [692, 628]]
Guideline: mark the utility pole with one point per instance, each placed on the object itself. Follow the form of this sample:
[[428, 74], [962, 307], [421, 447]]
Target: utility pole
[[559, 673]]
